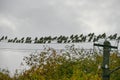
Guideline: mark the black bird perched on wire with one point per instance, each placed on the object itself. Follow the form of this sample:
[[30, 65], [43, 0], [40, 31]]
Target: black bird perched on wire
[[81, 35], [90, 37], [84, 38], [36, 40], [72, 36], [22, 40], [28, 40], [5, 37], [14, 39], [2, 38], [95, 39], [114, 36], [103, 35], [118, 38], [89, 34], [111, 37], [54, 38], [10, 40]]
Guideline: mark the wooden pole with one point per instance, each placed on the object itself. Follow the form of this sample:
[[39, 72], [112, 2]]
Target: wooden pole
[[105, 63], [106, 54]]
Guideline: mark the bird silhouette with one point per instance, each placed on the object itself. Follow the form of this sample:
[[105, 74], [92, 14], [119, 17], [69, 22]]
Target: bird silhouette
[[36, 40], [5, 37], [22, 41], [71, 36], [103, 36], [90, 38], [28, 40], [41, 40], [89, 34], [68, 41], [95, 39], [81, 35], [98, 37], [22, 38], [118, 38], [114, 36], [2, 38], [18, 41], [83, 39], [10, 40], [54, 38], [110, 37], [14, 40]]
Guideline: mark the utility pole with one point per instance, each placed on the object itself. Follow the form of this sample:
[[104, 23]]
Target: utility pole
[[106, 54]]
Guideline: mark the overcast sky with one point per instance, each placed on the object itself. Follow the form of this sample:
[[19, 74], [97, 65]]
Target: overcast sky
[[54, 17]]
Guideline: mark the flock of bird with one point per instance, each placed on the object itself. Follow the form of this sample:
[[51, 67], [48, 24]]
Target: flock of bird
[[91, 37]]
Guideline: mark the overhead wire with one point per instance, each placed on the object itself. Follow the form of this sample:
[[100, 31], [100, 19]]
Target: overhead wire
[[1, 42]]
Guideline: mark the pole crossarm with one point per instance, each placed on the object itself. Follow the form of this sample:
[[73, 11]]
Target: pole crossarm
[[101, 45]]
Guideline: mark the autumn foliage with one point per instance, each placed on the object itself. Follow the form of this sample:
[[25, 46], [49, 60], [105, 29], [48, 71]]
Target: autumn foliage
[[72, 64]]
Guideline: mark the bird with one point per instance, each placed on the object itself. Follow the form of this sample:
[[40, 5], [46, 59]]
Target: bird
[[22, 41], [18, 41], [89, 34], [65, 39], [118, 38], [68, 41], [49, 41], [110, 37], [59, 41], [90, 37], [2, 38], [114, 36], [83, 38], [95, 39], [81, 35], [14, 40], [28, 40], [36, 40], [103, 35], [71, 36], [5, 37], [22, 38], [54, 38], [10, 40], [59, 37]]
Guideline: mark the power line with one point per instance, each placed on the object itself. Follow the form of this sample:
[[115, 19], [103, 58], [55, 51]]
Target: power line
[[30, 49], [35, 49], [45, 43]]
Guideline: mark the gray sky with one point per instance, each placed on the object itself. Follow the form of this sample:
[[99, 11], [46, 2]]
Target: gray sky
[[54, 17]]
